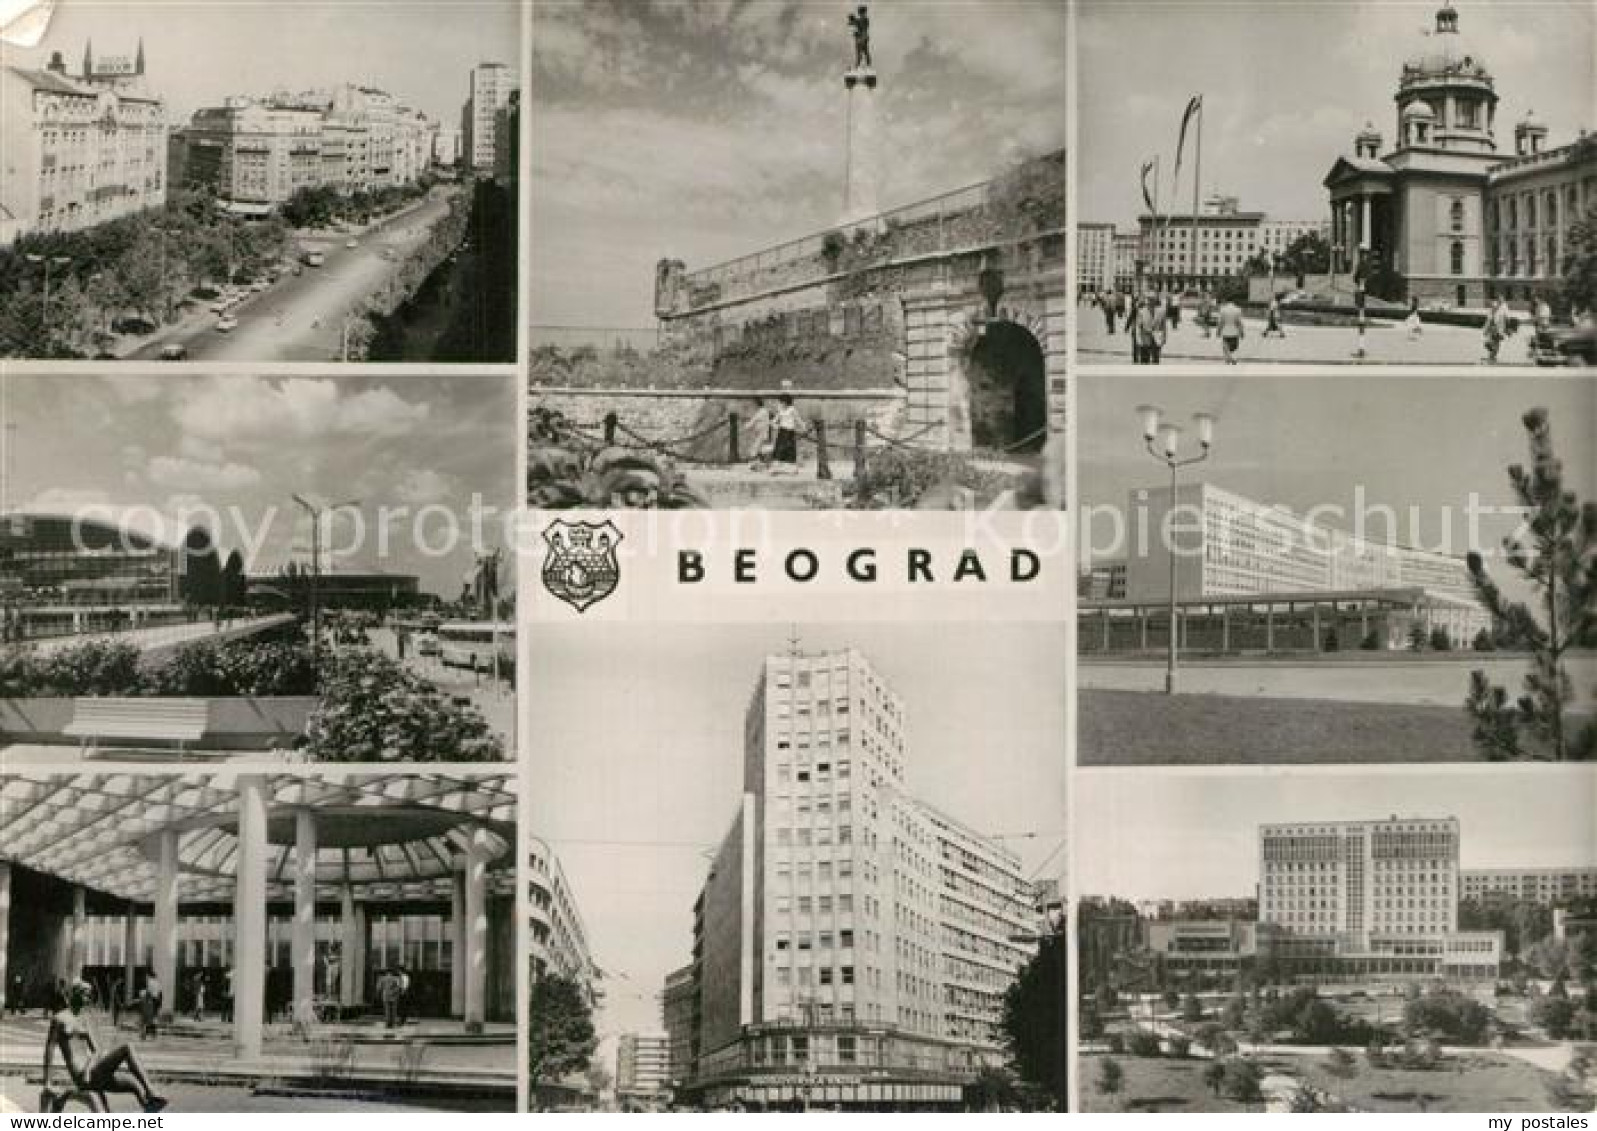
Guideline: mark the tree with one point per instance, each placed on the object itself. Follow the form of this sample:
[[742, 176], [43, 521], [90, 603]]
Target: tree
[[1580, 279], [1450, 1014], [1111, 1078], [1557, 556], [233, 580], [560, 1036], [1418, 638], [1309, 254], [1241, 1080], [202, 577], [1440, 640], [1034, 1019]]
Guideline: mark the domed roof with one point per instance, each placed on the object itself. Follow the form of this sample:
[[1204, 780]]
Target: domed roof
[[1369, 132], [1446, 51], [1420, 110], [1531, 122]]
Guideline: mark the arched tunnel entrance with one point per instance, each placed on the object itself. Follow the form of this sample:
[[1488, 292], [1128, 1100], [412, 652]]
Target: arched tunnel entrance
[[1008, 389]]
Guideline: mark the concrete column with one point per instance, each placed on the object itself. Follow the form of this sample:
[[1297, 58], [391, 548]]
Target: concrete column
[[349, 943], [457, 936], [1269, 628], [476, 951], [5, 932], [1364, 222], [1106, 641], [130, 953], [1225, 628], [1314, 613], [163, 956], [862, 176], [76, 941], [357, 969], [249, 919], [304, 934], [1142, 626]]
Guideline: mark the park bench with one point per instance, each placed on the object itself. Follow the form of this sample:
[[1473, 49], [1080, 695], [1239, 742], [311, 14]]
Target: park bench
[[177, 721]]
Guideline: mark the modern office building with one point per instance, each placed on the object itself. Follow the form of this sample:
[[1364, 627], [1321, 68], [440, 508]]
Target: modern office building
[[852, 944], [1543, 885], [559, 939], [643, 1068], [1095, 256], [1251, 575], [79, 150], [1215, 945], [491, 86], [1227, 238], [1442, 216], [679, 1013], [68, 573], [1375, 899]]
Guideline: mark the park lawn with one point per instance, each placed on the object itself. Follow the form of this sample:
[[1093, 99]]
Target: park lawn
[[1154, 1085], [1467, 1082], [1143, 728]]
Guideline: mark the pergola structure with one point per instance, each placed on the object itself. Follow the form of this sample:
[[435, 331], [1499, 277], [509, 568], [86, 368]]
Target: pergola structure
[[164, 839]]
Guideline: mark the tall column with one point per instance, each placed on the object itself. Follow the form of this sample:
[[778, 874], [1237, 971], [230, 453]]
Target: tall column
[[304, 935], [457, 938], [357, 967], [130, 950], [349, 943], [1364, 221], [5, 933], [476, 952], [862, 175], [249, 919], [163, 955], [76, 948]]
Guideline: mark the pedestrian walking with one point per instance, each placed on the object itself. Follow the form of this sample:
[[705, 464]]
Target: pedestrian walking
[[761, 433], [1495, 329], [150, 1005], [1412, 323], [199, 996], [1272, 324], [1149, 334], [1229, 325], [784, 451], [388, 993], [1106, 303]]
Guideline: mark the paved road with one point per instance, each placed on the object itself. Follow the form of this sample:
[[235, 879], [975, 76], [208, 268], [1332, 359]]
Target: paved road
[[1385, 344], [1438, 682], [301, 317]]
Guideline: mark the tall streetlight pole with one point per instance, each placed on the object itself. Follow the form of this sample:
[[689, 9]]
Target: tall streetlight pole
[[316, 515], [44, 306], [1167, 451]]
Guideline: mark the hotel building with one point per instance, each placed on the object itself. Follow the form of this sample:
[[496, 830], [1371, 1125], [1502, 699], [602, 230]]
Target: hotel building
[[1251, 575], [559, 939], [1227, 238], [1368, 899], [79, 150], [1095, 256], [852, 944]]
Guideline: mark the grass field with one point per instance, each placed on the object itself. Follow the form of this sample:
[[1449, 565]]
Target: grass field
[[1154, 1086], [1137, 728], [1470, 1082]]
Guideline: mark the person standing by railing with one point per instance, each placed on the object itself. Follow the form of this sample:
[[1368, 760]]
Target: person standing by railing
[[784, 451]]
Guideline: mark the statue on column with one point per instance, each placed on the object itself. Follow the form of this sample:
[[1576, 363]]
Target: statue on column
[[860, 22]]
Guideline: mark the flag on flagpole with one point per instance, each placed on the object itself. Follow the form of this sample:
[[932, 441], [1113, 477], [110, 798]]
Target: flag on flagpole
[[1147, 197], [1194, 104]]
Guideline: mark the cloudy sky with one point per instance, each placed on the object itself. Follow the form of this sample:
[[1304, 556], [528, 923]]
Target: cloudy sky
[[1420, 445], [637, 785], [1286, 86], [1136, 832], [422, 51], [240, 446], [707, 129]]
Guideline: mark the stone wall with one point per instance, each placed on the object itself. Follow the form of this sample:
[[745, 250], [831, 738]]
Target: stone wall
[[670, 415]]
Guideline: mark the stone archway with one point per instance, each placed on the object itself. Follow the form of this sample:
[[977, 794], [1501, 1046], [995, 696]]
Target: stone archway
[[998, 383]]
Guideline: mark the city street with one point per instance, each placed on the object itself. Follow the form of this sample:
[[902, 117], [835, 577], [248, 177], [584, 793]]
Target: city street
[[301, 317], [1385, 343]]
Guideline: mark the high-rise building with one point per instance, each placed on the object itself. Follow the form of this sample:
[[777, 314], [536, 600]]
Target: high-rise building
[[491, 84], [642, 1067], [79, 150], [852, 944], [1227, 238], [1095, 256], [1369, 898], [1542, 885], [679, 1011]]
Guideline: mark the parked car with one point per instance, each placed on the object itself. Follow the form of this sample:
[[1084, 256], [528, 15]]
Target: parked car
[[174, 351], [227, 324], [1565, 345], [352, 243]]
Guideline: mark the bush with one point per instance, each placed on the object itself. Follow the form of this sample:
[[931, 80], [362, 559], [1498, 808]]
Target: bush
[[1341, 1063], [375, 710], [92, 668], [1116, 1042], [1240, 1080], [1483, 642], [906, 477], [1192, 1008], [1140, 1042], [1179, 1047], [1440, 640], [1371, 642], [1554, 1014], [1450, 1014]]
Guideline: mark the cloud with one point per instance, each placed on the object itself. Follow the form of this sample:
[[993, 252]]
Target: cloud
[[131, 389], [256, 410], [178, 472], [419, 486]]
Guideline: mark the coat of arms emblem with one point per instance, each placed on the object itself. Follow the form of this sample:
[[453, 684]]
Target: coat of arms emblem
[[581, 568]]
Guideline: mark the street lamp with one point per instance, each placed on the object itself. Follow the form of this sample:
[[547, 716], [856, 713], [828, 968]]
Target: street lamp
[[316, 515], [1168, 452], [44, 306]]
